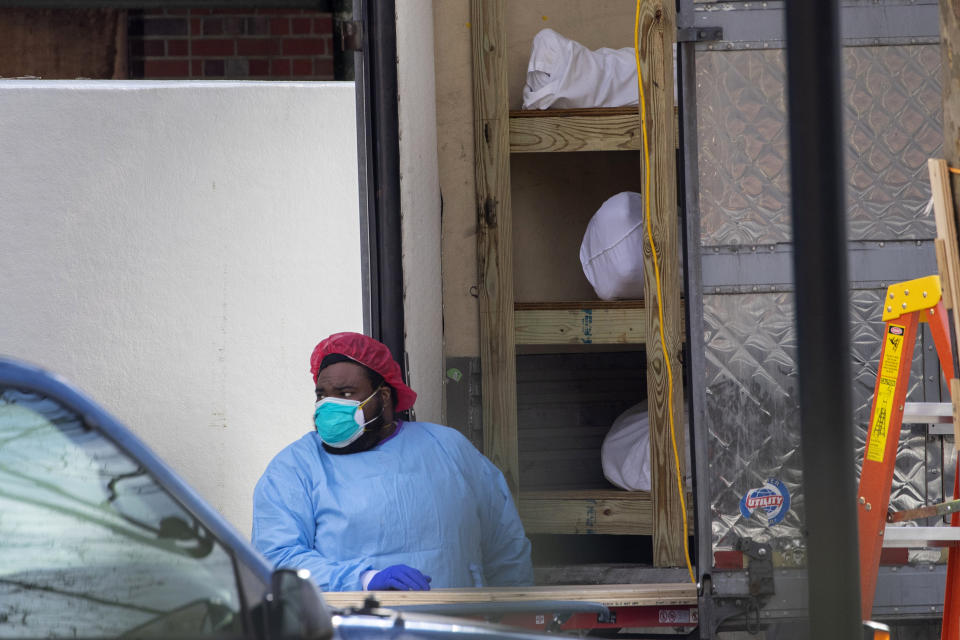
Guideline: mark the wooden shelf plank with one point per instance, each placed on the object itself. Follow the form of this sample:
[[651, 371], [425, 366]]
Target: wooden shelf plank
[[562, 130], [583, 325], [607, 132], [592, 322], [591, 512], [611, 595]]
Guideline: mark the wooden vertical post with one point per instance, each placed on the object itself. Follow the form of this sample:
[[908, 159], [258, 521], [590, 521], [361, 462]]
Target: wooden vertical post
[[657, 35], [494, 237]]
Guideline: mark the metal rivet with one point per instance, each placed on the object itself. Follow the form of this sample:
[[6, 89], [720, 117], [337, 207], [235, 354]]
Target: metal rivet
[[891, 295], [906, 292], [924, 294], [904, 305], [889, 309], [862, 500], [869, 507]]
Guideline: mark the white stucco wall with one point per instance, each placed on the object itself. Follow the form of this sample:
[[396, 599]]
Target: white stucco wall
[[177, 249], [420, 205]]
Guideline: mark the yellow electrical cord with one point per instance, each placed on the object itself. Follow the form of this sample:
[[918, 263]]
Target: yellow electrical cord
[[656, 273]]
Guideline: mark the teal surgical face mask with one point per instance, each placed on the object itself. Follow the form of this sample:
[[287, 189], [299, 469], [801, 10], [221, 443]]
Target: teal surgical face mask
[[340, 421]]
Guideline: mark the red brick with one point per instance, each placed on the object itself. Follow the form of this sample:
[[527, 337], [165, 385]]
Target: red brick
[[140, 47], [281, 12], [214, 68], [258, 26], [234, 25], [257, 47], [259, 67], [300, 26], [280, 67], [323, 25], [196, 68], [323, 68], [212, 26], [165, 26], [303, 67], [303, 46], [280, 26], [177, 47], [200, 12], [196, 26], [165, 69], [230, 12], [212, 47]]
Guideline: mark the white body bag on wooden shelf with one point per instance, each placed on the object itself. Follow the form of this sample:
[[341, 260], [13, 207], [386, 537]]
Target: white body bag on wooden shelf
[[612, 249], [564, 74], [625, 453]]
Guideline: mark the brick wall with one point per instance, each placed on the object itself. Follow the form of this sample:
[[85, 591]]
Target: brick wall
[[231, 44]]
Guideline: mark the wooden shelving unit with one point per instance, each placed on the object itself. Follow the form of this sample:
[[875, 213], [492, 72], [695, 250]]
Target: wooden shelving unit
[[498, 133]]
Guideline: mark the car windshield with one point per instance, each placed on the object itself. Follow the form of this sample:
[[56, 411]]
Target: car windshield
[[91, 545]]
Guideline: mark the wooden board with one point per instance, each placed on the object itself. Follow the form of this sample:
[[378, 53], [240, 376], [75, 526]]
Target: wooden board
[[494, 238], [549, 132], [657, 33], [947, 232], [614, 129], [598, 322], [584, 325], [591, 512], [597, 511], [611, 595]]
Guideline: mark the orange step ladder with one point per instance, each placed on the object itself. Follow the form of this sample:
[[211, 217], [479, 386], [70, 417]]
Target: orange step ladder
[[906, 305]]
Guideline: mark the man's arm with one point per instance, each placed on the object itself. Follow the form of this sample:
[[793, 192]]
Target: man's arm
[[284, 529]]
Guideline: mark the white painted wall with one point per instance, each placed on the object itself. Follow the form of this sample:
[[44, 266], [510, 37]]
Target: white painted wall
[[177, 250], [420, 205]]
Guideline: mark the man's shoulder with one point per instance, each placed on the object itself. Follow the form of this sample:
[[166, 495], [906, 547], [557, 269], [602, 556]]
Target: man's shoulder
[[447, 438], [440, 432], [305, 447]]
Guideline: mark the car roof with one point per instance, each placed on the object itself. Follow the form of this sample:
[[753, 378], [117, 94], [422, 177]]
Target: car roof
[[28, 377]]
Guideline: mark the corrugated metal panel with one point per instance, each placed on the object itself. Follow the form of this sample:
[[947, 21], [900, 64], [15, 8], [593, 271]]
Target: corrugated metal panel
[[753, 417], [893, 124]]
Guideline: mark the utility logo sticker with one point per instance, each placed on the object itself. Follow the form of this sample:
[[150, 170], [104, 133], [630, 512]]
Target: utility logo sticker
[[772, 500], [886, 390]]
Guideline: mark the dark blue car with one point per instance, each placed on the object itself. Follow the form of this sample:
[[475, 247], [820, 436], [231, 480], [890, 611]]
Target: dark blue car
[[99, 538]]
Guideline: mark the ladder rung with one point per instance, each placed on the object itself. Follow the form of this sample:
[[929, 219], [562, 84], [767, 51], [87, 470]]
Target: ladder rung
[[898, 537], [937, 414], [927, 413]]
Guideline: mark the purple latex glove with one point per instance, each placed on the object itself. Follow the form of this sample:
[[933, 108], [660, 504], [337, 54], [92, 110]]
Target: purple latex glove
[[399, 577]]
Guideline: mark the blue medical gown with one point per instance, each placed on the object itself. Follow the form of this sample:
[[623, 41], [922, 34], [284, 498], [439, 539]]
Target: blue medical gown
[[425, 498]]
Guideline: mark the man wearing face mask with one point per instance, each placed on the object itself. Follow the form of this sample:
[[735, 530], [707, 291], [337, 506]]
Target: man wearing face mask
[[368, 501]]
